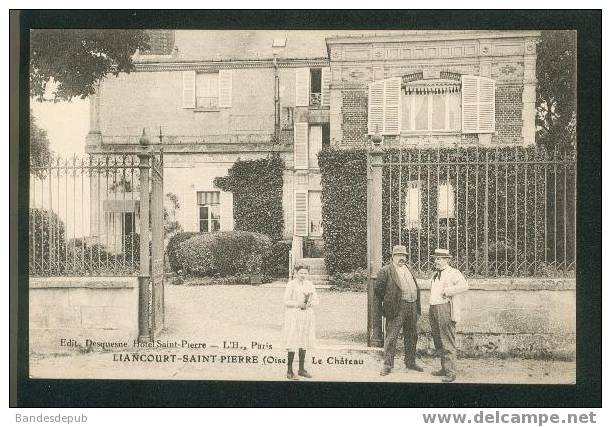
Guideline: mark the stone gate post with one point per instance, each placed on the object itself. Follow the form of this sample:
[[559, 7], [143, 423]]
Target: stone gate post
[[375, 336], [144, 157]]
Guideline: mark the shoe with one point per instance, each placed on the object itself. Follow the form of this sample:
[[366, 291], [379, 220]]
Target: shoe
[[414, 367], [439, 373], [448, 378], [385, 371], [304, 373], [291, 375]]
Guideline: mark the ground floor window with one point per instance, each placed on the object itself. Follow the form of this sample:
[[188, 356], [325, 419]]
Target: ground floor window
[[315, 213], [209, 206]]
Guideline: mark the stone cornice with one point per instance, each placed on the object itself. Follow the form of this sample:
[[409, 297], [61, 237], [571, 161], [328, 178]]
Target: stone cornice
[[177, 65], [431, 36]]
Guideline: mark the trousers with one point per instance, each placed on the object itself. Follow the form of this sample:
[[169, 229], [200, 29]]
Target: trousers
[[406, 320], [443, 329]]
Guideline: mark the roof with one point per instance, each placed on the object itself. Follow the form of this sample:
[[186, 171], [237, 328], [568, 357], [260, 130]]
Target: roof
[[226, 45]]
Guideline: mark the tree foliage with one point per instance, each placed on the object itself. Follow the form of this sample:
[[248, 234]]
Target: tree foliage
[[75, 60], [39, 143], [557, 88]]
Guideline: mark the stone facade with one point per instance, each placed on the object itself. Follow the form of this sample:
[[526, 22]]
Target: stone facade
[[202, 143], [506, 57]]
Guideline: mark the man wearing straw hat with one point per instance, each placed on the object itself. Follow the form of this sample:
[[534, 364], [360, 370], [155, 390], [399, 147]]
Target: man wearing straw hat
[[444, 311], [398, 290]]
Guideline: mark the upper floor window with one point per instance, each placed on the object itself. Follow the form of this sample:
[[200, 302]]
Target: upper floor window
[[430, 111], [207, 90], [312, 87], [432, 105]]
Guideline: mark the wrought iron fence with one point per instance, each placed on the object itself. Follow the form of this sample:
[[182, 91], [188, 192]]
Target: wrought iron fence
[[83, 216], [503, 211]]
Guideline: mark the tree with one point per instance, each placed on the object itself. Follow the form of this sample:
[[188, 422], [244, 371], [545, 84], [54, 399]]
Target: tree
[[39, 144], [557, 89], [75, 60]]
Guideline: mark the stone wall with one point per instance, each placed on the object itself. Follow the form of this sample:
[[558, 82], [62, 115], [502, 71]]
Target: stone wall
[[522, 317], [80, 308]]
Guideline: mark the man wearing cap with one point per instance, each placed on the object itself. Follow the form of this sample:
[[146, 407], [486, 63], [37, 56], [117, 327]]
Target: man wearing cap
[[444, 311], [398, 290]]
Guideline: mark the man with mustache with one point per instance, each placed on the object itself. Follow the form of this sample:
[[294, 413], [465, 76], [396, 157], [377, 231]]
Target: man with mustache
[[396, 286]]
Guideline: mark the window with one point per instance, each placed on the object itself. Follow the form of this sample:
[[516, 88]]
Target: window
[[413, 205], [432, 105], [312, 87], [315, 86], [207, 90], [209, 206], [314, 145], [315, 213], [430, 112], [445, 201]]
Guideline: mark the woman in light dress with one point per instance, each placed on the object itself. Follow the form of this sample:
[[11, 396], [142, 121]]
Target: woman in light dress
[[299, 320]]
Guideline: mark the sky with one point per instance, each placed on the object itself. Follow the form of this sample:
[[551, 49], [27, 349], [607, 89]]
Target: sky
[[66, 123]]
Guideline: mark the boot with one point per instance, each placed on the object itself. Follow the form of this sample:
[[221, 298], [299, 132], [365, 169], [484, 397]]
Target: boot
[[289, 371], [302, 372]]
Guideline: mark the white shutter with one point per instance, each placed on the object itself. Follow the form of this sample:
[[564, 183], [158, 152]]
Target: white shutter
[[375, 107], [300, 146], [188, 89], [325, 83], [477, 105], [486, 105], [225, 88], [469, 104], [300, 209], [392, 106], [302, 87], [315, 145]]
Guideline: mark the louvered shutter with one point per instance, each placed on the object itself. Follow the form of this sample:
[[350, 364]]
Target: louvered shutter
[[375, 108], [392, 106], [302, 87], [300, 146], [469, 104], [300, 208], [478, 115], [325, 83], [225, 88], [486, 105], [188, 89]]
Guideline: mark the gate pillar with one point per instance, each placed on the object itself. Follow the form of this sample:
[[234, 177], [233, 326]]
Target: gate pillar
[[144, 157], [375, 335]]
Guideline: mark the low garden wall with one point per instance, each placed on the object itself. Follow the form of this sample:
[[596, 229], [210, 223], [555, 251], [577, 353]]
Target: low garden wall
[[81, 308], [522, 317]]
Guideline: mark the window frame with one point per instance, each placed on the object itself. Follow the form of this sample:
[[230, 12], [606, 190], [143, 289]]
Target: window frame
[[429, 130], [209, 220], [218, 83]]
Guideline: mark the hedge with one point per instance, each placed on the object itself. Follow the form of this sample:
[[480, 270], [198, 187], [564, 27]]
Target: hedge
[[257, 195], [223, 253], [172, 249], [513, 240], [47, 242]]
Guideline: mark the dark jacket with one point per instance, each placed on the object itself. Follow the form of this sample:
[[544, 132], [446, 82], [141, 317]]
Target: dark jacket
[[388, 291]]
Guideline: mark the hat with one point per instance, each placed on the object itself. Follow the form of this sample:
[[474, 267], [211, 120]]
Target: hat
[[442, 253], [399, 250]]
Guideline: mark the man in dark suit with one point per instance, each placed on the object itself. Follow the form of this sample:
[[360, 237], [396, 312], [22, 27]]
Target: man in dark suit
[[398, 290]]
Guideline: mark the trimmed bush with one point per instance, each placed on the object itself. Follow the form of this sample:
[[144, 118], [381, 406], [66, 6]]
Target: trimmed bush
[[224, 253], [172, 248], [276, 264], [354, 281]]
